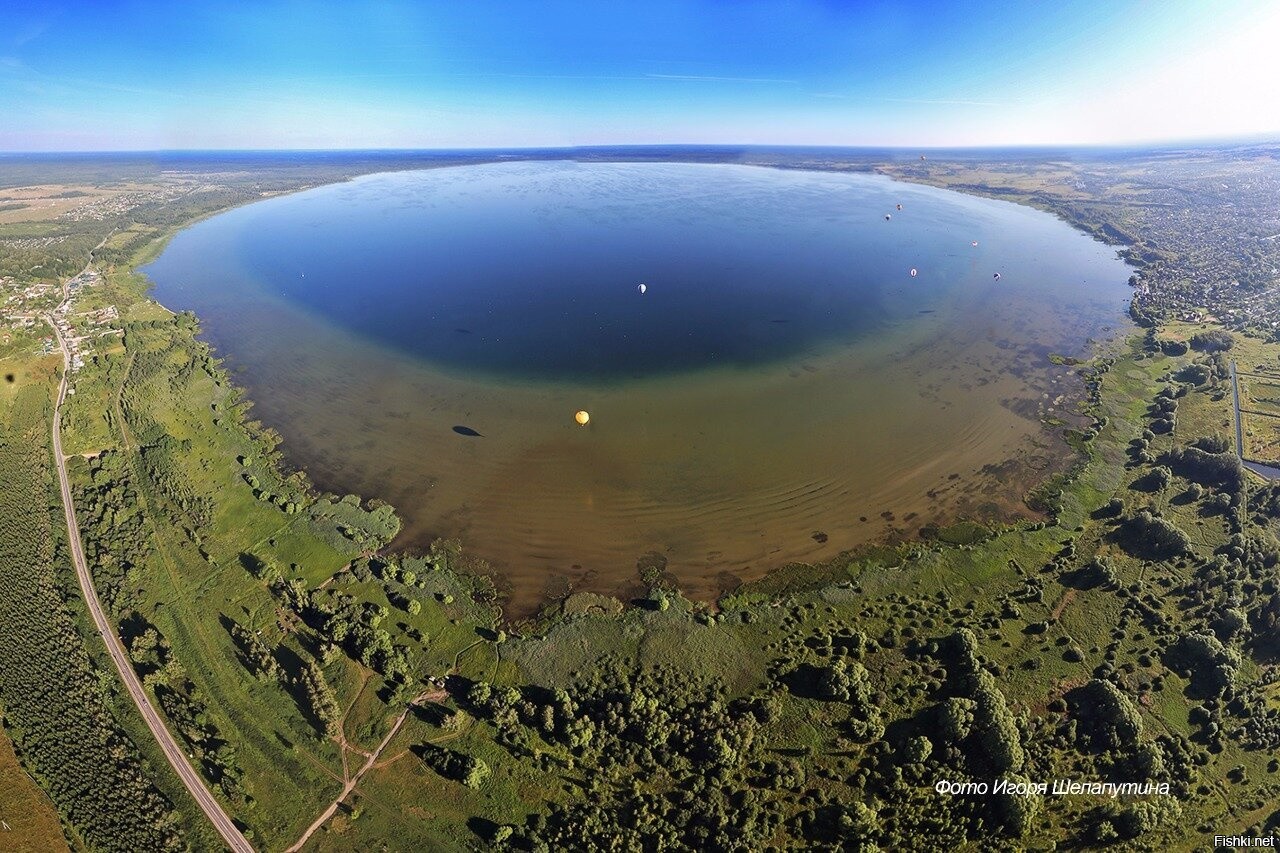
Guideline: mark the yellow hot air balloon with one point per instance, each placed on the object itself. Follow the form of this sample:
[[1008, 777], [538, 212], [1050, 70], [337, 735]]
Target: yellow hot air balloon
[[582, 417]]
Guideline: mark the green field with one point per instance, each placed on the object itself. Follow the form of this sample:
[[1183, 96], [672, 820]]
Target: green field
[[1133, 637], [1259, 406], [1044, 626]]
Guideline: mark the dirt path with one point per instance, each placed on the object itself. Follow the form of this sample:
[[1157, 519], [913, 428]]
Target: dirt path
[[351, 783], [1067, 598], [430, 696]]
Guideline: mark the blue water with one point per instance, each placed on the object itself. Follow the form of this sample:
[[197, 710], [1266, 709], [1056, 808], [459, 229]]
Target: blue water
[[426, 338], [531, 269]]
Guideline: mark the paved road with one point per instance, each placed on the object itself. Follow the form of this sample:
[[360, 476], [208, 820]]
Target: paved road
[[172, 751], [1264, 471]]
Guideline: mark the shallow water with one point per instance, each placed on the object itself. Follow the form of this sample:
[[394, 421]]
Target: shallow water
[[426, 337]]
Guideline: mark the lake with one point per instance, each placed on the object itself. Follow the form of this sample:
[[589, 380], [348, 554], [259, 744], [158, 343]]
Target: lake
[[784, 387]]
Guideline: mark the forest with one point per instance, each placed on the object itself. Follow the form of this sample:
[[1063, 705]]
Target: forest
[[56, 707]]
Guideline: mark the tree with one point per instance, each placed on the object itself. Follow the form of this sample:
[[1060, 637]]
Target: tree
[[258, 657], [1196, 374], [1230, 623], [460, 767], [917, 749], [144, 645], [320, 698], [1209, 468], [955, 718], [857, 825], [1142, 816], [1149, 535], [478, 694], [1202, 657], [361, 570], [1214, 340], [996, 728], [1158, 478], [1019, 810], [1099, 572], [1112, 719]]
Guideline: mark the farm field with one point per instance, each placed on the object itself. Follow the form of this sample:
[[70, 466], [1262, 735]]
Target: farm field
[[30, 825]]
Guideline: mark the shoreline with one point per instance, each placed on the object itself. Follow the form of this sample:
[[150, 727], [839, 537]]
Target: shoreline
[[1065, 458], [1053, 629]]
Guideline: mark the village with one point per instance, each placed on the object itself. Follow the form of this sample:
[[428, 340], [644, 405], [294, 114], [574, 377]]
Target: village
[[118, 204], [1200, 225], [1216, 256], [28, 309]]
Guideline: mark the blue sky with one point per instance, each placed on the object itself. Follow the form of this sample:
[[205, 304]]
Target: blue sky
[[120, 75]]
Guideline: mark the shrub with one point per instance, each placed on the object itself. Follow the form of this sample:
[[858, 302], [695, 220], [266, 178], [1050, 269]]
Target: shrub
[[1149, 535], [1216, 340], [1109, 719]]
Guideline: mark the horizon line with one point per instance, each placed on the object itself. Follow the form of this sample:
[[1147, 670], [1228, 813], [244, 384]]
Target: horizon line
[[1147, 145]]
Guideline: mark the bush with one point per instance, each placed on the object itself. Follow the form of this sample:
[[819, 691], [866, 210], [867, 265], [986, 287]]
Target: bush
[[1151, 536], [1207, 468], [996, 728], [1202, 657], [1212, 444], [1196, 374], [1217, 340], [1108, 718]]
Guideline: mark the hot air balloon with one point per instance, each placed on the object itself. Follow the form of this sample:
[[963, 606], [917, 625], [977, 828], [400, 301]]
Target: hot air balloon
[[582, 417], [642, 288], [899, 207], [922, 157], [913, 272], [997, 276], [887, 217], [974, 244]]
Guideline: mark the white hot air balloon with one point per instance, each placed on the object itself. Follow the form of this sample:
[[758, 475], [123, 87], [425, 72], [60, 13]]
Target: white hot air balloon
[[913, 272], [642, 288], [997, 276]]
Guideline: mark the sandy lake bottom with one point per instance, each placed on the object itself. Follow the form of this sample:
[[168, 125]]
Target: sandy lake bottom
[[783, 389]]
